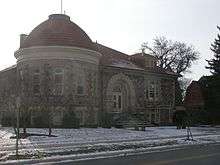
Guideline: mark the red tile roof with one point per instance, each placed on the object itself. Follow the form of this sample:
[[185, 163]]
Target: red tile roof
[[58, 30], [111, 57]]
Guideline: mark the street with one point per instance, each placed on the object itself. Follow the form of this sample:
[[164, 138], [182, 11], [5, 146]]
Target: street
[[201, 155]]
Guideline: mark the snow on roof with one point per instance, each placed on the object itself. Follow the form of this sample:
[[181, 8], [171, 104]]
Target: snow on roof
[[124, 64]]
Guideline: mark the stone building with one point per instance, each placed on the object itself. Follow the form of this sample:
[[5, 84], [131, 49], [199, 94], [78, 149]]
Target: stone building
[[61, 69]]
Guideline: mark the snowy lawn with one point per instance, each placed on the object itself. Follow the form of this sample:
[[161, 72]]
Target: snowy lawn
[[90, 140]]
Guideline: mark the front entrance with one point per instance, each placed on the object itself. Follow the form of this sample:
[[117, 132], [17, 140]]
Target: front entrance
[[117, 99], [120, 94]]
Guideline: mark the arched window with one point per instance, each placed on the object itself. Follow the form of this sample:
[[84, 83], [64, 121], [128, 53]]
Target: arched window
[[80, 84], [79, 80], [36, 82], [58, 81]]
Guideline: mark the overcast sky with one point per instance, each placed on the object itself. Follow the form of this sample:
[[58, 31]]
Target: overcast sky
[[121, 24]]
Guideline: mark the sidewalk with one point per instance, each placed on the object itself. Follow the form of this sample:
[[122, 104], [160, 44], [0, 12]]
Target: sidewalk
[[98, 155]]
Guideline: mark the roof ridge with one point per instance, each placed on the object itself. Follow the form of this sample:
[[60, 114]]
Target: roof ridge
[[98, 44], [8, 68]]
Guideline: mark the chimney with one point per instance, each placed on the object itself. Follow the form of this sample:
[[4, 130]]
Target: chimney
[[22, 39], [142, 51]]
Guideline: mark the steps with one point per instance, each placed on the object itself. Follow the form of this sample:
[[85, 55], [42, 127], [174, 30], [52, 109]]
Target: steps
[[131, 121]]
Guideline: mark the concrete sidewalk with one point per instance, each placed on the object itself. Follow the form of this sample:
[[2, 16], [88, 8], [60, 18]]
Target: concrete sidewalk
[[101, 155]]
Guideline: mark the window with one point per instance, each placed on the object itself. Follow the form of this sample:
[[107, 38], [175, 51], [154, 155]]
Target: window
[[79, 89], [147, 93], [79, 116], [36, 82], [36, 89], [93, 85], [79, 80], [117, 101], [80, 85], [157, 115], [157, 90], [58, 81], [152, 90], [114, 100], [152, 118]]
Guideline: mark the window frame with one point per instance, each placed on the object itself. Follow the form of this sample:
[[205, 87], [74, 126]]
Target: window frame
[[59, 84], [36, 83], [152, 91]]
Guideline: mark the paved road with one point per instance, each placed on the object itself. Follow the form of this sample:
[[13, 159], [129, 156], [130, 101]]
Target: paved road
[[193, 155]]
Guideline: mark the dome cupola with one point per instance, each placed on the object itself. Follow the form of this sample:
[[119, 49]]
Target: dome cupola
[[58, 30]]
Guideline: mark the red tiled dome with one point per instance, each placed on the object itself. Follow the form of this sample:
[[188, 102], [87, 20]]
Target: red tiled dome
[[58, 30]]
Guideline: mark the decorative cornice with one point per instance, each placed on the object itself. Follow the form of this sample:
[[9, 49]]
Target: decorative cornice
[[57, 52]]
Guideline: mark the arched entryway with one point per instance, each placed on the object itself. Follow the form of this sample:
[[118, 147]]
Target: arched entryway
[[120, 93]]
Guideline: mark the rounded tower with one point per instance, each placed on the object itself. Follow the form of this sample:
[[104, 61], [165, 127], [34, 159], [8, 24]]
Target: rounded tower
[[58, 66]]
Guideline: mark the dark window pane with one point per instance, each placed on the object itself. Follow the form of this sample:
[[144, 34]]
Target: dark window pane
[[58, 78], [119, 102], [36, 78], [36, 89], [80, 89], [58, 89]]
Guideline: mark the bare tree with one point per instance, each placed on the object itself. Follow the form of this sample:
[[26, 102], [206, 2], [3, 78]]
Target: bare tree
[[47, 94], [172, 54], [24, 80], [184, 83], [9, 100]]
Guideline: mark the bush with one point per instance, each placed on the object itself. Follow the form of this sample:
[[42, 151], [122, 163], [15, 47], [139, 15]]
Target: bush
[[107, 120], [180, 119], [91, 126], [6, 121], [198, 117], [70, 120], [40, 121]]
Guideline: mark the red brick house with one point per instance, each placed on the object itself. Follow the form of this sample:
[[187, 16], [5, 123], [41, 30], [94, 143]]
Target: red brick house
[[194, 99]]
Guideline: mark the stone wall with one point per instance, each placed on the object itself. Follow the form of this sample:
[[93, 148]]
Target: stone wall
[[97, 97], [8, 90], [72, 72], [158, 110]]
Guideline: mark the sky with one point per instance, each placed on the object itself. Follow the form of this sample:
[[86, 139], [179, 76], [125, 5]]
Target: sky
[[120, 24]]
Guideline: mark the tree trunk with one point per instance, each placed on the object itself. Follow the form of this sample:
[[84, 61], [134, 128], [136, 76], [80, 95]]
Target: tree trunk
[[24, 130], [15, 130], [50, 129], [24, 114]]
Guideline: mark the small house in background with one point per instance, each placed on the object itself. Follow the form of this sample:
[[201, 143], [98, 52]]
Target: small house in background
[[194, 99], [202, 100]]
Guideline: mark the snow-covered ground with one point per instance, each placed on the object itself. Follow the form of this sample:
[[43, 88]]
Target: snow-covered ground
[[96, 140]]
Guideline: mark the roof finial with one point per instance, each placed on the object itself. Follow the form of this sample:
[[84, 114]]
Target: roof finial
[[61, 6]]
